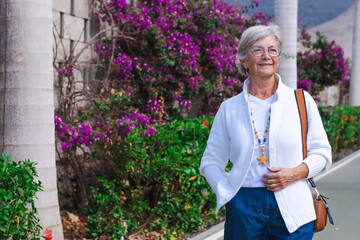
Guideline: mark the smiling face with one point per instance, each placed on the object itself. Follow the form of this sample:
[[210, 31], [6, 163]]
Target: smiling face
[[263, 66]]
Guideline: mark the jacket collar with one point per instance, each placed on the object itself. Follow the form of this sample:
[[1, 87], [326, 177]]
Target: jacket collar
[[280, 94]]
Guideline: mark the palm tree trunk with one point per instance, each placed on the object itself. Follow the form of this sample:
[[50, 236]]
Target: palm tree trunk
[[354, 97], [26, 97], [286, 17]]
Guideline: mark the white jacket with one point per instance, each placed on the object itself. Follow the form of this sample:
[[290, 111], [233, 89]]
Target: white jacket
[[231, 138]]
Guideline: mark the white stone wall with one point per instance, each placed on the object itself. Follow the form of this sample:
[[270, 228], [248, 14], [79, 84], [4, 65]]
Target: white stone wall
[[71, 20], [71, 27], [330, 96], [73, 30]]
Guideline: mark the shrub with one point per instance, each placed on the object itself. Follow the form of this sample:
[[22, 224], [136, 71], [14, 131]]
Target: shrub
[[157, 185], [320, 64], [342, 126], [105, 215], [18, 214]]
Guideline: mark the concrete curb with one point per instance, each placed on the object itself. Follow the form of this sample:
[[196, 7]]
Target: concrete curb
[[214, 233], [340, 164], [217, 231]]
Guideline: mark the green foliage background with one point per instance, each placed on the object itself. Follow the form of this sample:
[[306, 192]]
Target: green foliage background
[[18, 186], [160, 188]]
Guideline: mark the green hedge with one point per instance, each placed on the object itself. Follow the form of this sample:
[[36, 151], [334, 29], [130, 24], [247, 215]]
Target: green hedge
[[161, 189], [341, 124], [18, 214]]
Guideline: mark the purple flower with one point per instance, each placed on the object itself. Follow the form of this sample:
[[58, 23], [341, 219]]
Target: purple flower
[[100, 135], [186, 104], [124, 66], [125, 125], [58, 120], [65, 145], [153, 105], [304, 84], [149, 132]]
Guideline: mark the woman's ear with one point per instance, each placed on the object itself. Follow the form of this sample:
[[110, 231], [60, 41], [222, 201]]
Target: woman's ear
[[243, 63]]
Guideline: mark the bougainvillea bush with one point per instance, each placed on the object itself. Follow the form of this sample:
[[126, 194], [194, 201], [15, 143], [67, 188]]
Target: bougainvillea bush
[[171, 54], [320, 64]]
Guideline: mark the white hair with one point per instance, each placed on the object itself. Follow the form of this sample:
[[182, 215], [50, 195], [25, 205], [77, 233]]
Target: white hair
[[251, 35]]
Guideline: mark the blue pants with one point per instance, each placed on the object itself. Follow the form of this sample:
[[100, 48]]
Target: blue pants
[[254, 214]]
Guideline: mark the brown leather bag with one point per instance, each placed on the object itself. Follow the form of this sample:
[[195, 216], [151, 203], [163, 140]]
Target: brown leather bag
[[321, 215], [320, 205]]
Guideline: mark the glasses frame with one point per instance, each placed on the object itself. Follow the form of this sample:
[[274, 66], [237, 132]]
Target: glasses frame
[[262, 51]]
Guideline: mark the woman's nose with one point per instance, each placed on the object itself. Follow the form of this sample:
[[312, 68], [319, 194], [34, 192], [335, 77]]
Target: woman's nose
[[265, 54]]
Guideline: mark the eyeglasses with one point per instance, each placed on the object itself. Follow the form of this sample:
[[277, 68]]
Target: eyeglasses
[[259, 51]]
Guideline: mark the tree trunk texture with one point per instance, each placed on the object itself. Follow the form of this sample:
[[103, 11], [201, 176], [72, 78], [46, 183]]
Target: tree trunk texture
[[286, 18], [26, 97], [354, 97]]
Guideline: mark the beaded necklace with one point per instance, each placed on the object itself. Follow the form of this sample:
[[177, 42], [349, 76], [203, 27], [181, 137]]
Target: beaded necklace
[[262, 159]]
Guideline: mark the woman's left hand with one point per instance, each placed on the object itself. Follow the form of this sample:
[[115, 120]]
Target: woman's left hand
[[280, 177]]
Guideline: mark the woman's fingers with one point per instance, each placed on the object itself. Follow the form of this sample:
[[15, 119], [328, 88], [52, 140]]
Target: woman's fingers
[[277, 179]]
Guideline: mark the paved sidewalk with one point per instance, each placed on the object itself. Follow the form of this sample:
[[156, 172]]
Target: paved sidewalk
[[342, 185]]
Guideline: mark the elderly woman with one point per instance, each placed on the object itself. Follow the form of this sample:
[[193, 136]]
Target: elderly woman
[[266, 192]]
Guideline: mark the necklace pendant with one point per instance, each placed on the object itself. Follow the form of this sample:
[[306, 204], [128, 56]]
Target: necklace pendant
[[263, 159]]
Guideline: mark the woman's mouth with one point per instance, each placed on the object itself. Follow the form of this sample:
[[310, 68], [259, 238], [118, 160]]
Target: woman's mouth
[[265, 64]]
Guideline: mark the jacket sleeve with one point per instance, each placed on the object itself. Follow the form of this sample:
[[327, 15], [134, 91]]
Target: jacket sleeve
[[319, 156], [217, 152]]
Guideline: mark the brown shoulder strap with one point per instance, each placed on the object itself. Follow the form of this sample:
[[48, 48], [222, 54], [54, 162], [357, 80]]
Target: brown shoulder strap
[[300, 99]]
